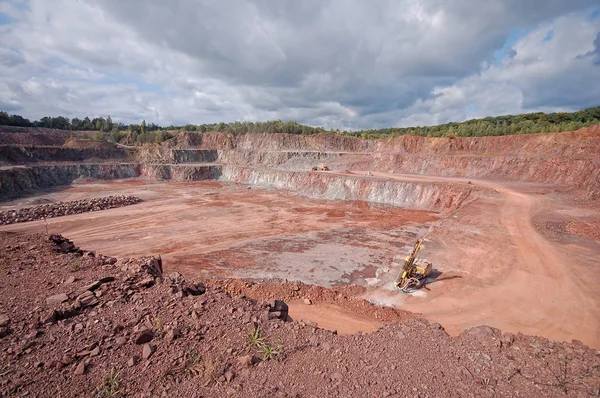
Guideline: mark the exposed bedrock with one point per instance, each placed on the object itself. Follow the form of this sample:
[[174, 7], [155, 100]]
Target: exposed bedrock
[[21, 180], [583, 142], [180, 173], [17, 181], [582, 173], [411, 195], [289, 160], [194, 155], [29, 154]]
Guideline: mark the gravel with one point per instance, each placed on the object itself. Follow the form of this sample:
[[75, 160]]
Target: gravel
[[52, 210]]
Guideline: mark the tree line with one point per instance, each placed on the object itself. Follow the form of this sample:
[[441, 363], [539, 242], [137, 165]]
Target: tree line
[[139, 133], [529, 123]]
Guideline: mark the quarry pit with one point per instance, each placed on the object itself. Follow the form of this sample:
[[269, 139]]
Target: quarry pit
[[510, 223]]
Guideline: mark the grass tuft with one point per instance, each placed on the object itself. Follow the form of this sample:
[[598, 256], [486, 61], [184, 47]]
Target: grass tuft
[[110, 387]]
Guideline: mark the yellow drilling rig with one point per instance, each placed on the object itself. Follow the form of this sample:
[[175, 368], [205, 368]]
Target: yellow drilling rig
[[413, 273]]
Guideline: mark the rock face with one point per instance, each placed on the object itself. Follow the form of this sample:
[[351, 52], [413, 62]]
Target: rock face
[[17, 181], [52, 210]]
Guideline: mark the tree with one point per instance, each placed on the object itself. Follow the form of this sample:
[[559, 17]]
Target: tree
[[108, 124], [98, 123], [87, 124], [46, 121]]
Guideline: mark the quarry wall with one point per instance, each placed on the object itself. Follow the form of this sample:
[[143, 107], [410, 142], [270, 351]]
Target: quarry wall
[[281, 161], [34, 154]]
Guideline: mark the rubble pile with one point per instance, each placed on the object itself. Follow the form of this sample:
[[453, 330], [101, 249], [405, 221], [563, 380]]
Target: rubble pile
[[52, 210]]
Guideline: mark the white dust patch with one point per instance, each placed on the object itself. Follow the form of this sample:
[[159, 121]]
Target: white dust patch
[[324, 264]]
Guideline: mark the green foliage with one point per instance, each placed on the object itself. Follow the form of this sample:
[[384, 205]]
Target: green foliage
[[266, 349], [254, 338], [152, 133], [501, 125], [100, 136], [110, 387], [270, 351]]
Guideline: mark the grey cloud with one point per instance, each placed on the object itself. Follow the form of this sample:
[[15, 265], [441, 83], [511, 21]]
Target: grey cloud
[[337, 63]]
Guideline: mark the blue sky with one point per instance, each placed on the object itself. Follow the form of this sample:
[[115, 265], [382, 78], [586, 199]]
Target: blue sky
[[334, 63]]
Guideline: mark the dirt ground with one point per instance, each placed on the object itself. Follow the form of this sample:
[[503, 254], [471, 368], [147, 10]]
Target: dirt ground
[[210, 229], [86, 326]]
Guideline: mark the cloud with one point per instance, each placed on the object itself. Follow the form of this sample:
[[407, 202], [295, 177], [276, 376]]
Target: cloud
[[337, 63]]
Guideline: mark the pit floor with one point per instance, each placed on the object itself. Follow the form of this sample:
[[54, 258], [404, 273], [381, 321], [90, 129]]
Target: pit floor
[[492, 266]]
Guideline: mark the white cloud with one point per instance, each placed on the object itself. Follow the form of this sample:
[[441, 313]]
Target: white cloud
[[337, 63]]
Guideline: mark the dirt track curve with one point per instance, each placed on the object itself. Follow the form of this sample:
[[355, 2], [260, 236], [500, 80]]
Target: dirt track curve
[[535, 288]]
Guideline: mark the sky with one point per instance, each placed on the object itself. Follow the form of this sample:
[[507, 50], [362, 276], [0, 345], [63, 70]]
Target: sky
[[344, 64]]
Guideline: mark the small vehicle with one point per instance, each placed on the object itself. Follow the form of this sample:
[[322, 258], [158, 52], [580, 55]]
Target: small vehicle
[[414, 272]]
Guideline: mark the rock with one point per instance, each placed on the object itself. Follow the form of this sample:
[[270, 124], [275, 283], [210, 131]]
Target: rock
[[4, 331], [65, 247], [483, 334], [278, 305], [173, 334], [246, 361], [111, 261], [70, 280], [436, 326], [107, 279], [275, 315], [57, 299], [154, 266], [279, 310], [95, 352], [133, 361], [120, 341], [93, 286], [507, 339], [147, 351], [4, 320], [144, 336], [229, 375], [88, 300], [80, 369], [196, 289], [145, 283], [307, 301], [50, 316]]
